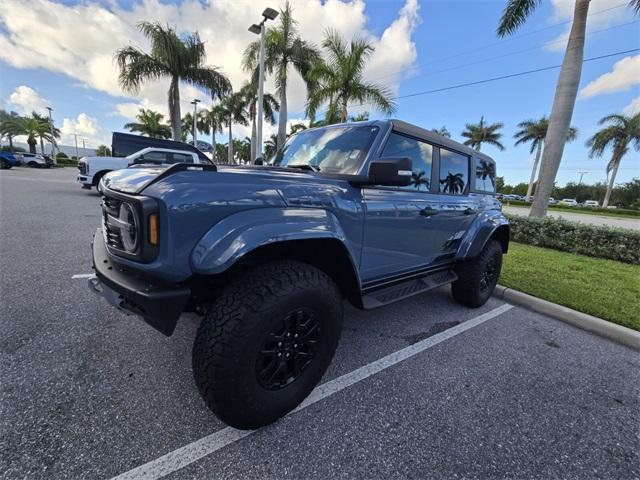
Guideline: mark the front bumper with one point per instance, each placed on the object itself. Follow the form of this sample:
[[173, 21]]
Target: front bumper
[[85, 180], [159, 305]]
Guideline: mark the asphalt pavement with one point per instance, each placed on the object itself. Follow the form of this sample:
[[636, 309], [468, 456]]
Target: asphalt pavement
[[87, 392], [599, 220]]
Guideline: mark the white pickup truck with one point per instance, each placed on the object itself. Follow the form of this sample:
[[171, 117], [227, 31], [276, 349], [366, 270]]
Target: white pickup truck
[[92, 169]]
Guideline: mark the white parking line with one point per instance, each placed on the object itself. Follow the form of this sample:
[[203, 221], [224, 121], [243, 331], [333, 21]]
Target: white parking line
[[192, 452], [50, 180], [83, 275]]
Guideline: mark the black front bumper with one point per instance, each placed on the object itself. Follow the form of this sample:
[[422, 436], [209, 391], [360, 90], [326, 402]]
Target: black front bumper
[[160, 305]]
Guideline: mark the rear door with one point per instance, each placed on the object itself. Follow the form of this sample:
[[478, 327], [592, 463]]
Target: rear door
[[415, 227]]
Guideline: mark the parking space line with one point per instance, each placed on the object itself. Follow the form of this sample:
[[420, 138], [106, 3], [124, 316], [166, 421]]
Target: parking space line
[[193, 452], [50, 180], [83, 275]]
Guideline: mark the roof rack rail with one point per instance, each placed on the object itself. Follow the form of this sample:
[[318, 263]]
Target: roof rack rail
[[177, 167]]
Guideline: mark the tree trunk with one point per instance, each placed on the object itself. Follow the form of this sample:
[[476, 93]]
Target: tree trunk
[[11, 142], [230, 146], [32, 144], [344, 113], [41, 146], [612, 178], [282, 116], [562, 110], [534, 170], [213, 144], [174, 109]]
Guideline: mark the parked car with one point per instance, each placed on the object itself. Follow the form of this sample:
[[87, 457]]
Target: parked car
[[203, 146], [552, 201], [9, 160], [521, 198], [35, 160], [266, 254], [591, 204], [92, 169], [568, 202], [509, 197]]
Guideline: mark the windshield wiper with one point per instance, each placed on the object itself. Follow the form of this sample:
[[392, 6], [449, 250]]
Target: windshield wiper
[[305, 166]]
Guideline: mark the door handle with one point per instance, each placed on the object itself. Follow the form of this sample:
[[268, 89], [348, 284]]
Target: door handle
[[470, 211], [428, 212]]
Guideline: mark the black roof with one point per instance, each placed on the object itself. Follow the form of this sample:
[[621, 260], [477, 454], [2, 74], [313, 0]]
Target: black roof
[[124, 144]]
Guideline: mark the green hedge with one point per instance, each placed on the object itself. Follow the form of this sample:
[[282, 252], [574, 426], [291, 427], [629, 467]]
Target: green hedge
[[66, 161], [603, 242]]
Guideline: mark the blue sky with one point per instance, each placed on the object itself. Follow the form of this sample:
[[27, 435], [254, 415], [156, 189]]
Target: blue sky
[[419, 46]]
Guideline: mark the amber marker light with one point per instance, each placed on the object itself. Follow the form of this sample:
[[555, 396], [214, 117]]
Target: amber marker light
[[153, 229]]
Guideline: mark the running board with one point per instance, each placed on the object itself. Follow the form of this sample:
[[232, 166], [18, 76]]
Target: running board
[[408, 288]]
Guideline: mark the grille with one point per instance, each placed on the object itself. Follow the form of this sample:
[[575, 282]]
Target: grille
[[111, 206], [82, 167]]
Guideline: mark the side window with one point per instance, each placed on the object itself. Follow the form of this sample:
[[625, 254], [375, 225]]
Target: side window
[[154, 157], [182, 158], [485, 174], [421, 155], [454, 172]]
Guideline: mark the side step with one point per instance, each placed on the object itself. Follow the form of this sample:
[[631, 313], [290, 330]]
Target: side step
[[408, 288]]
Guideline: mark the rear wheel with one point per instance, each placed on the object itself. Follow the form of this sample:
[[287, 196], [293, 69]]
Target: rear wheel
[[4, 165], [33, 164], [477, 278], [266, 342]]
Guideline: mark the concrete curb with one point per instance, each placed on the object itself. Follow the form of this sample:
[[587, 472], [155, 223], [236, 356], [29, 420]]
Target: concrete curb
[[612, 331]]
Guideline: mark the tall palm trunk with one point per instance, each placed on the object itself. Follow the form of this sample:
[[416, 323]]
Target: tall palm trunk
[[562, 110], [615, 160], [230, 148], [344, 113], [254, 139], [213, 144], [174, 109], [282, 116], [534, 170], [32, 144], [11, 142], [41, 146]]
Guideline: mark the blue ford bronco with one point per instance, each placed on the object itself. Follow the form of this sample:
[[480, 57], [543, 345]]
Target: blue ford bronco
[[372, 212]]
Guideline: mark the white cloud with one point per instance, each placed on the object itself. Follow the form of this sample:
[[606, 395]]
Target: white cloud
[[633, 107], [41, 36], [85, 127], [26, 100], [624, 75], [601, 15]]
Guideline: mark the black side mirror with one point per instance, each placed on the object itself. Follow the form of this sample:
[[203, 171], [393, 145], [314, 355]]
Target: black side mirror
[[392, 171], [258, 161]]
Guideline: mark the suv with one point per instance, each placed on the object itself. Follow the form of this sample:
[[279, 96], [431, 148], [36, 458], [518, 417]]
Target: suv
[[373, 212], [92, 169], [9, 159], [591, 204], [35, 160], [568, 202]]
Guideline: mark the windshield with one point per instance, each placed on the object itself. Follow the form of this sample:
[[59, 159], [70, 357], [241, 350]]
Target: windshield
[[330, 150]]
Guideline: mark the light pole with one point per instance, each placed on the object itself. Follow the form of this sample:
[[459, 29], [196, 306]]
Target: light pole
[[53, 139], [258, 29], [75, 136], [195, 113]]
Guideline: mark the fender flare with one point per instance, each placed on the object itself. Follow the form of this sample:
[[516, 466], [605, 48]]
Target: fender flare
[[237, 235], [488, 224]]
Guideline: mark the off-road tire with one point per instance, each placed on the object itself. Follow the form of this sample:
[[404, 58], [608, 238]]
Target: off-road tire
[[232, 334], [468, 289]]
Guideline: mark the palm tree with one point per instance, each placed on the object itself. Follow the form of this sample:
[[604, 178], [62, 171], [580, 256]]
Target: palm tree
[[479, 133], [186, 126], [213, 121], [485, 170], [271, 146], [103, 151], [339, 81], [361, 117], [514, 15], [45, 131], [172, 57], [442, 131], [5, 126], [453, 183], [33, 127], [535, 131], [295, 128], [621, 132], [249, 92], [149, 124], [232, 110], [419, 179], [283, 48]]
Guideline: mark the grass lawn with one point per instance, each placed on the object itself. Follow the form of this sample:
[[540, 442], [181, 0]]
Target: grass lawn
[[603, 288]]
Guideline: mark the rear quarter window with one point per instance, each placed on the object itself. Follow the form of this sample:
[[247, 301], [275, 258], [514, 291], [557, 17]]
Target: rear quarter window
[[484, 172]]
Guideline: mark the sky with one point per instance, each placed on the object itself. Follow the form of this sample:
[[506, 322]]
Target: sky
[[60, 54]]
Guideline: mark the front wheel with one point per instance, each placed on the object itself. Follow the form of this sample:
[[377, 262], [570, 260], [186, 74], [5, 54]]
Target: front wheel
[[478, 277], [4, 165], [266, 342]]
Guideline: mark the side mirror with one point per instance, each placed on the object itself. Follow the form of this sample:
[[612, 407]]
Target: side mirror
[[392, 171], [258, 161]]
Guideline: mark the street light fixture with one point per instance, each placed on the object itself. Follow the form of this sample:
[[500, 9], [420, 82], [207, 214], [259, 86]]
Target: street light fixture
[[258, 29], [195, 108]]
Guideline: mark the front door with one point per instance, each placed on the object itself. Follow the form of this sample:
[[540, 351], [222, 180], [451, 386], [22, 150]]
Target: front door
[[411, 228]]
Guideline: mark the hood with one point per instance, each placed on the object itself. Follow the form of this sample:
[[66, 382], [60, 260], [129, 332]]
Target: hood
[[130, 180]]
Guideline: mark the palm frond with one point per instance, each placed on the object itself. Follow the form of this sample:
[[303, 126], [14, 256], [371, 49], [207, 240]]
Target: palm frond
[[515, 14]]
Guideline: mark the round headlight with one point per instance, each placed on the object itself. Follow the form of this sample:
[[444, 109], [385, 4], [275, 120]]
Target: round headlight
[[129, 233]]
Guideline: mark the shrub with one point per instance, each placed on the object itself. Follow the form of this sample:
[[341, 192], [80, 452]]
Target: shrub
[[603, 242], [60, 155]]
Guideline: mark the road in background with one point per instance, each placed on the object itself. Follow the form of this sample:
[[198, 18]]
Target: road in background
[[87, 392], [631, 223]]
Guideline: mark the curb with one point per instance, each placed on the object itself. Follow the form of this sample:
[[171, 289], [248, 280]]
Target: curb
[[603, 328]]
